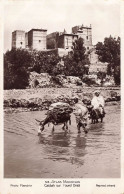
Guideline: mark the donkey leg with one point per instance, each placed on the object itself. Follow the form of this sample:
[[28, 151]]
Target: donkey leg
[[78, 127], [91, 121], [39, 130], [63, 127], [52, 126], [66, 125], [69, 121]]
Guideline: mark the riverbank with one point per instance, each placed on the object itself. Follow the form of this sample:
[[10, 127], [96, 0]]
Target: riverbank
[[40, 99]]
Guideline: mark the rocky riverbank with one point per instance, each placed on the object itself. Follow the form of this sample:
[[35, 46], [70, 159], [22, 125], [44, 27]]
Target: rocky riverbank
[[40, 99]]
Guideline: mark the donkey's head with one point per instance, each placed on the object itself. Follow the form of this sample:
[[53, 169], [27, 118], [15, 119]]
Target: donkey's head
[[41, 126]]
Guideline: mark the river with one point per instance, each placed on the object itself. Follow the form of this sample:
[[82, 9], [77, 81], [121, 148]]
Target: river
[[61, 154]]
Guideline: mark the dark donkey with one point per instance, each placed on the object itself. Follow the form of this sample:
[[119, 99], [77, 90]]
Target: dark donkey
[[96, 114], [57, 116]]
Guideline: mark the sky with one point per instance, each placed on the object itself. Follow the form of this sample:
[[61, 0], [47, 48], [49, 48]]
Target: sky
[[57, 15]]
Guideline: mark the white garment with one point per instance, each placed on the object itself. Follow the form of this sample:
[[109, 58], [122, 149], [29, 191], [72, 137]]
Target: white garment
[[80, 110], [97, 101]]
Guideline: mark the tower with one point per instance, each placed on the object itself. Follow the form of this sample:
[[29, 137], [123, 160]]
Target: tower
[[18, 39], [37, 39], [85, 33]]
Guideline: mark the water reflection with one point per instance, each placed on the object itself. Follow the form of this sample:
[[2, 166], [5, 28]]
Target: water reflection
[[79, 149], [69, 150], [61, 139], [80, 141]]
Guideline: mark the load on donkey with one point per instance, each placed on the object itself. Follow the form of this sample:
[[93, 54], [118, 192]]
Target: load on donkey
[[60, 113]]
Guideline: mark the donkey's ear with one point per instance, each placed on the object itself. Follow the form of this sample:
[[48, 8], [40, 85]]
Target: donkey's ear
[[41, 122], [37, 120]]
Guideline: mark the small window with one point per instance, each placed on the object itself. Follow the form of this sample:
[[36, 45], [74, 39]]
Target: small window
[[21, 43], [39, 40], [87, 37], [88, 48]]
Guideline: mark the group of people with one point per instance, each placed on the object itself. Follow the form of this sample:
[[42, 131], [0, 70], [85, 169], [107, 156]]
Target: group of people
[[81, 111], [58, 114]]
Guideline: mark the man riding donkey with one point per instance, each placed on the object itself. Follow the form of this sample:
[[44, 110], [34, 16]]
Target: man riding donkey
[[98, 104]]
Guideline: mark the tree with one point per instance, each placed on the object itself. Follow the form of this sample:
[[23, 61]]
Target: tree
[[44, 62], [101, 75], [16, 64], [76, 62], [51, 44], [109, 52], [79, 50]]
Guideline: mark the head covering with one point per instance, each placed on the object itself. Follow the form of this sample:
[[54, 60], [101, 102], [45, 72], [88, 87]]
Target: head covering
[[97, 92]]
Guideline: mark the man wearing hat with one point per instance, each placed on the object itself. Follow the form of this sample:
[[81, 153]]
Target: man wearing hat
[[98, 102]]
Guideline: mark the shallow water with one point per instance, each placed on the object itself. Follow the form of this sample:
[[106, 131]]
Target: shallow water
[[61, 154]]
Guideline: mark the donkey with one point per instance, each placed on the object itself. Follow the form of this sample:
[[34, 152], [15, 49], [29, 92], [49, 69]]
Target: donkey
[[58, 113], [96, 114]]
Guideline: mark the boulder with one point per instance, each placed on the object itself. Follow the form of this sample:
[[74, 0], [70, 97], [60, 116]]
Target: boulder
[[113, 93]]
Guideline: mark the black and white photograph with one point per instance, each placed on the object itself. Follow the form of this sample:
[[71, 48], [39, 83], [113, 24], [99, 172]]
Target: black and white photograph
[[62, 91]]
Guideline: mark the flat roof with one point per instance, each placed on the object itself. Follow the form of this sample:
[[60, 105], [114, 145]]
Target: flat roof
[[69, 35], [34, 29], [86, 27], [18, 31]]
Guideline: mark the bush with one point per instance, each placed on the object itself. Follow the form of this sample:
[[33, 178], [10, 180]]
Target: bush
[[89, 81]]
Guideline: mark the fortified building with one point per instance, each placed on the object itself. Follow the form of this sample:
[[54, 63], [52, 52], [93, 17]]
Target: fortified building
[[34, 39], [39, 40], [61, 41]]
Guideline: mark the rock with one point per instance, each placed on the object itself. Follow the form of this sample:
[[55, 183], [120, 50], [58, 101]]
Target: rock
[[108, 100], [113, 93], [6, 103], [112, 103], [118, 98], [24, 103]]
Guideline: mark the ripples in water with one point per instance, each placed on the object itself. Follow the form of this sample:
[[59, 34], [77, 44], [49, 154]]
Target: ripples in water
[[62, 154]]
